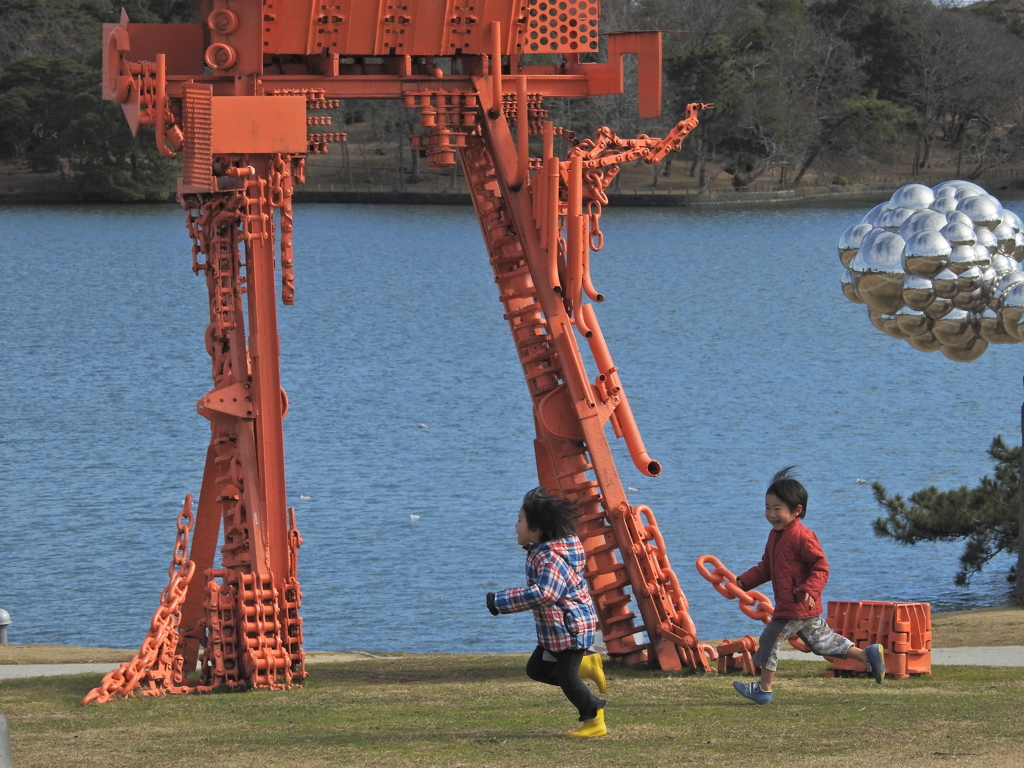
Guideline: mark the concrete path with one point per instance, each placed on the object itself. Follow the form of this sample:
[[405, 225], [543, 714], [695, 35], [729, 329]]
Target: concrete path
[[1000, 656], [996, 656]]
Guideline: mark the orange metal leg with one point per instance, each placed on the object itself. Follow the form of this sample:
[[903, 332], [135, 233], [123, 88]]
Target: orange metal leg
[[624, 552]]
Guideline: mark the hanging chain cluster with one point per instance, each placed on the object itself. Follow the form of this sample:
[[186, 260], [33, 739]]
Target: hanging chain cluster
[[157, 668]]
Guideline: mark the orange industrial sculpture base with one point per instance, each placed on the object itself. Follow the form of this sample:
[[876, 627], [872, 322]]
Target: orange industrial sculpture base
[[231, 95]]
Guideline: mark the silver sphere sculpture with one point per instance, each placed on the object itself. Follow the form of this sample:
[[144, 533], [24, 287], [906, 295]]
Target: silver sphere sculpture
[[940, 268]]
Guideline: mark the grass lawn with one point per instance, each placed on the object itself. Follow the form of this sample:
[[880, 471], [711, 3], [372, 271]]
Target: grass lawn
[[479, 710]]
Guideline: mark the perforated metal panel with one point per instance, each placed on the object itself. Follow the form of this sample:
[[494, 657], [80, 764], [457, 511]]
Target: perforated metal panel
[[562, 26], [429, 27]]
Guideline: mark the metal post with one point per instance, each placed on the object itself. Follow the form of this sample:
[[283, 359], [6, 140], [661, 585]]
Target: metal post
[[1019, 590], [5, 743]]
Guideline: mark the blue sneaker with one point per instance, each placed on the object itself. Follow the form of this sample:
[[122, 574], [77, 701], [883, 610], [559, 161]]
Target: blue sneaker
[[753, 692], [876, 660]]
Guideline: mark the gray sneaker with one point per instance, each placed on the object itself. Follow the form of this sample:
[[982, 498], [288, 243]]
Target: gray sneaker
[[753, 692], [876, 660]]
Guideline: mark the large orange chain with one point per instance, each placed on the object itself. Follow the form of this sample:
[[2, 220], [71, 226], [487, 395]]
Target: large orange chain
[[157, 669], [754, 604]]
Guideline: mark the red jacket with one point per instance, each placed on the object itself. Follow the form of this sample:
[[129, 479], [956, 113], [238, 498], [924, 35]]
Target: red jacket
[[796, 565]]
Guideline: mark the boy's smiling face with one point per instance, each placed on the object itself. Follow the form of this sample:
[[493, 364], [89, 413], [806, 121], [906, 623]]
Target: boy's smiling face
[[778, 513]]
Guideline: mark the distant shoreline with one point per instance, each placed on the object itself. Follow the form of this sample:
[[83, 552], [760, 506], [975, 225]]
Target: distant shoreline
[[651, 198], [647, 199]]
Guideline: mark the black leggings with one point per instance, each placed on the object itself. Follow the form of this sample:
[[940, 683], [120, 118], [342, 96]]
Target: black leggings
[[565, 673]]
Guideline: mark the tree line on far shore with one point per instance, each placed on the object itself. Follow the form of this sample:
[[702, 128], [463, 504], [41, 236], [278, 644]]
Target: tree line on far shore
[[835, 87]]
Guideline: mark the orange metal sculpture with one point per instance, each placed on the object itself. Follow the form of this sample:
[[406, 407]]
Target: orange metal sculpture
[[231, 95]]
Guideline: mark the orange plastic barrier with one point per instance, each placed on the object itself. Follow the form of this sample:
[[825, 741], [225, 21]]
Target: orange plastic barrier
[[737, 654], [904, 630]]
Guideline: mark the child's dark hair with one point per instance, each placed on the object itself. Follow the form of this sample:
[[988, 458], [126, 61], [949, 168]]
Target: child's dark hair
[[553, 516], [789, 490]]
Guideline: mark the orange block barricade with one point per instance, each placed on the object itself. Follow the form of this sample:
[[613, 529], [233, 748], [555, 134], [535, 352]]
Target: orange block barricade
[[904, 630]]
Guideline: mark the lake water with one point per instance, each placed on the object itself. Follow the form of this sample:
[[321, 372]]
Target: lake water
[[409, 439]]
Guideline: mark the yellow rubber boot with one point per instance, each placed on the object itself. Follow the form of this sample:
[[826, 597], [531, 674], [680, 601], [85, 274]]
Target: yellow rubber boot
[[592, 668], [591, 728]]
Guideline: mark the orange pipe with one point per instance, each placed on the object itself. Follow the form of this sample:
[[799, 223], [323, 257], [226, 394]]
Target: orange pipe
[[580, 321], [495, 109], [588, 285], [623, 413], [550, 212], [161, 106], [574, 236], [578, 383], [522, 135], [551, 230]]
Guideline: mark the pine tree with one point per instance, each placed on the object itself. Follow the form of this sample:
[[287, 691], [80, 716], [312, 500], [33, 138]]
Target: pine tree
[[986, 518]]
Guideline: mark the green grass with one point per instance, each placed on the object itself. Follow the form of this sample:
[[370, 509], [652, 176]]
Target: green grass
[[468, 710]]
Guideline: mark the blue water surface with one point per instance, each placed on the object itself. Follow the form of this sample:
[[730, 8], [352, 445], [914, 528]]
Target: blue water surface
[[409, 437]]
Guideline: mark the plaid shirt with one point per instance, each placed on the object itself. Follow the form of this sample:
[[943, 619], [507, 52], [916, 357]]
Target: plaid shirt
[[557, 594]]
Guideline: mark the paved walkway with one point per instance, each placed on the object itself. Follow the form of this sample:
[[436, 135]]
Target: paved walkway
[[999, 656], [996, 656]]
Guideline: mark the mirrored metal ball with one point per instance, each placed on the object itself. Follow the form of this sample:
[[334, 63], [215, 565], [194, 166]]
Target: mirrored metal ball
[[922, 221], [984, 210], [891, 326], [959, 188], [990, 328], [1005, 236], [850, 241], [970, 300], [878, 270], [986, 239], [894, 218], [939, 307], [872, 216], [1007, 281], [945, 204], [1011, 219], [1011, 308], [913, 196], [880, 251], [965, 353], [912, 322], [956, 328], [876, 319], [957, 233], [970, 280], [918, 292], [850, 288], [925, 342], [882, 292], [926, 253], [962, 258], [958, 217]]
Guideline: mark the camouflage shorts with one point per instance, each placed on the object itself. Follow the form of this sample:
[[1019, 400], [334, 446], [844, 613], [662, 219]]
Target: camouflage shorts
[[818, 636]]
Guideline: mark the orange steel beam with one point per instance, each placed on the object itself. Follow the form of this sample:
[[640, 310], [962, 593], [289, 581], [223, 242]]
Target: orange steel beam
[[232, 95]]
